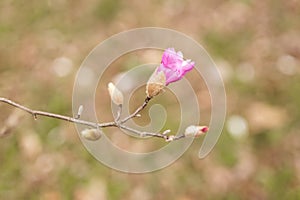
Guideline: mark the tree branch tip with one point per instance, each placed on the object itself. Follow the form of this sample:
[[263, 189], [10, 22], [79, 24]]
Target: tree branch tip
[[166, 132], [79, 112], [34, 116]]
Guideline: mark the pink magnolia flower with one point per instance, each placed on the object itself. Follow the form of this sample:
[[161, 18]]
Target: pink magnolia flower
[[174, 66]]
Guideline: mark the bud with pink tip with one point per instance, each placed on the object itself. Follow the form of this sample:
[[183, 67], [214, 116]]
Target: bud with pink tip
[[195, 131]]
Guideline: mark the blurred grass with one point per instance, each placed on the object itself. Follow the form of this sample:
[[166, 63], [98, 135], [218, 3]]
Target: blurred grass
[[107, 10], [228, 46]]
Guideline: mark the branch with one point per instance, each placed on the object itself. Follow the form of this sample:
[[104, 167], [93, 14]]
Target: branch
[[139, 109], [119, 112], [117, 123], [36, 113], [163, 135]]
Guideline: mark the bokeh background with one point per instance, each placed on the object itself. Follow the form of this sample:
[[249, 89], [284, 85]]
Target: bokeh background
[[256, 46]]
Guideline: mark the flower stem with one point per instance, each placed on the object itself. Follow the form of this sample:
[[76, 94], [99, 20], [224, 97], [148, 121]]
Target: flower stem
[[139, 109]]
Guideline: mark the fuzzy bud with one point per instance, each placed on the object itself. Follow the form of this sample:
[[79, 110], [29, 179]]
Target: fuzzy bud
[[195, 131], [91, 134], [155, 84], [115, 94], [80, 110]]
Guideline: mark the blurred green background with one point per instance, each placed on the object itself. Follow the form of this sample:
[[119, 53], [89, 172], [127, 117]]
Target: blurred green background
[[256, 45]]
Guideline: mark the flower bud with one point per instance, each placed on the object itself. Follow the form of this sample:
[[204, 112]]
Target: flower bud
[[195, 131], [80, 110], [91, 134], [155, 84], [115, 94]]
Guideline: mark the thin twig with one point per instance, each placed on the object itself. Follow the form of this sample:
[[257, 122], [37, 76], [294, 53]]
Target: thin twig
[[117, 123], [167, 138], [136, 112], [119, 112], [36, 113]]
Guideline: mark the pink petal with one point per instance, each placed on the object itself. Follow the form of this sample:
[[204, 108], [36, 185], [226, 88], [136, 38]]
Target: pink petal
[[170, 59], [174, 66]]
